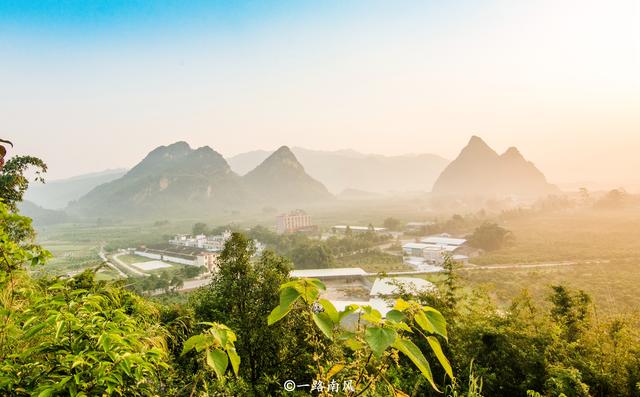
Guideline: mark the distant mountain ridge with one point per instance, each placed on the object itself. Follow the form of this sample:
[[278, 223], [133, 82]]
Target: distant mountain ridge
[[43, 216], [58, 193], [280, 178], [480, 171], [176, 180], [347, 169]]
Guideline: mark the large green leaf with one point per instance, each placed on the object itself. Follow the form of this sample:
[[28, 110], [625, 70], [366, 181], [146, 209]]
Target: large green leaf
[[325, 324], [277, 313], [437, 349], [330, 310], [437, 321], [235, 359], [379, 339], [371, 315], [196, 340], [218, 360], [412, 351], [395, 315], [288, 296], [424, 323]]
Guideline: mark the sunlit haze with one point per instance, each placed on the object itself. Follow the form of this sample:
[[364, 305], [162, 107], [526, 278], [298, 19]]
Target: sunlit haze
[[94, 85]]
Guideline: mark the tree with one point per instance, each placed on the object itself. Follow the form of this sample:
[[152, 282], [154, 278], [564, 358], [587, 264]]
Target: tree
[[490, 237], [311, 256], [13, 183], [199, 228], [242, 293], [392, 223], [570, 310], [348, 232]]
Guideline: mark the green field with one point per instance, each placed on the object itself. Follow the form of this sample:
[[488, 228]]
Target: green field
[[131, 259]]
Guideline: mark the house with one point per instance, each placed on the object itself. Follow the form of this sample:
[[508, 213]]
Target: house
[[189, 256], [209, 243]]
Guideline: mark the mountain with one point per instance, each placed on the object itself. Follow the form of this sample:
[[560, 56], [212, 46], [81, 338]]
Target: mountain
[[178, 181], [480, 171], [42, 216], [173, 180], [57, 194], [245, 162], [281, 179], [348, 169]]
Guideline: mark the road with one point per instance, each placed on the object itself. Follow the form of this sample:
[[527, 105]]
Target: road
[[127, 267], [111, 265], [528, 265]]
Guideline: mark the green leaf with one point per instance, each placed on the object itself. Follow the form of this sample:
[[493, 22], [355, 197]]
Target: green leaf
[[218, 360], [288, 296], [277, 313], [437, 321], [330, 310], [424, 323], [371, 315], [317, 283], [46, 392], [379, 339], [34, 330], [437, 349], [395, 315], [325, 324], [334, 370], [412, 351], [59, 326], [235, 360], [196, 340], [401, 305]]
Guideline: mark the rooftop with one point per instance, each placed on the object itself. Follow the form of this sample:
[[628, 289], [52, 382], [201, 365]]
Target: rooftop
[[377, 229], [443, 240], [334, 272], [431, 246]]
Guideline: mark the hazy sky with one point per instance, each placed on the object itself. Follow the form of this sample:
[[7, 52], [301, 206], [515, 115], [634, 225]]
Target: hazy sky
[[96, 84]]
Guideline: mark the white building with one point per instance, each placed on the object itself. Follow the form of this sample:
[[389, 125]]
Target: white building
[[357, 229], [182, 255], [347, 273], [209, 243], [432, 251]]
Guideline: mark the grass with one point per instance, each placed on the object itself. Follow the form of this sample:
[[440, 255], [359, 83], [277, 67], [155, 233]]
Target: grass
[[131, 259]]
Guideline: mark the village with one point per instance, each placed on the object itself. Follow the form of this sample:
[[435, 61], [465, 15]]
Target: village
[[196, 259]]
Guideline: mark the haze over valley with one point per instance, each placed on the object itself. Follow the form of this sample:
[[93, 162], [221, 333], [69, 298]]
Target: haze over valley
[[329, 199]]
